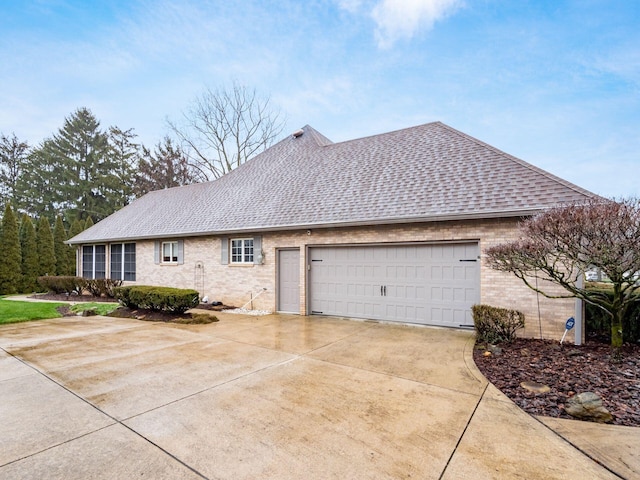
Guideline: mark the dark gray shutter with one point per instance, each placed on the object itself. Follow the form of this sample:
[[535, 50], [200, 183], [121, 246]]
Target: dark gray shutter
[[180, 252], [224, 249], [257, 250], [156, 253]]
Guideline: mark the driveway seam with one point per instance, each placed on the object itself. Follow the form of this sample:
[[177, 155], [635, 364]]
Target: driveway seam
[[115, 420], [603, 465], [444, 470]]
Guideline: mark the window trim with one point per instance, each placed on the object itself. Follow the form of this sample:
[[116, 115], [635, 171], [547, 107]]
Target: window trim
[[122, 264], [173, 252], [93, 261], [247, 258]]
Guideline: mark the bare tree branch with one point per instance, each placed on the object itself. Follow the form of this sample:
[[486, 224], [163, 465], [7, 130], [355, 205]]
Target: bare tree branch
[[222, 129], [560, 244]]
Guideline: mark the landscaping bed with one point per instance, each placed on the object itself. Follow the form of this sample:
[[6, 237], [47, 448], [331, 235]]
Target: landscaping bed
[[567, 370], [139, 313]]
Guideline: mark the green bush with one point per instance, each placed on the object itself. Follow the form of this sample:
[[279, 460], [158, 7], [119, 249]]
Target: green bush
[[102, 287], [496, 325], [167, 299], [63, 284], [599, 322]]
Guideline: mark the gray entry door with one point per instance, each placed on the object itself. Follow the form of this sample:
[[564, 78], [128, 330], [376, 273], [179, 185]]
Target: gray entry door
[[289, 281], [434, 284]]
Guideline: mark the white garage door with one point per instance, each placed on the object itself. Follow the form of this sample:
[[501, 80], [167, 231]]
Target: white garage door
[[428, 284]]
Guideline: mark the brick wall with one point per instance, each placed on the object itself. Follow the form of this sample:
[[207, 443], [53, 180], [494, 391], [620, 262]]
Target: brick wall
[[236, 284]]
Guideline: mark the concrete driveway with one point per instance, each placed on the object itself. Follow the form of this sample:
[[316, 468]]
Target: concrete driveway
[[273, 397]]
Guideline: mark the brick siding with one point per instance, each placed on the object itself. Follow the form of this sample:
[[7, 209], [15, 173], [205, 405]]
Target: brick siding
[[236, 284]]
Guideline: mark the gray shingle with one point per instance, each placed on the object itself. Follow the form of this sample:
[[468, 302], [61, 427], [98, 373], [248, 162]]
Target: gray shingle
[[425, 173]]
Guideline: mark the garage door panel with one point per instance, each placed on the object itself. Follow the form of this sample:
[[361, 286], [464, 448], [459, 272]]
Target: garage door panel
[[422, 283]]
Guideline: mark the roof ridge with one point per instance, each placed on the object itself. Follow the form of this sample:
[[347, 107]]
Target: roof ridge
[[319, 138], [520, 162], [387, 133]]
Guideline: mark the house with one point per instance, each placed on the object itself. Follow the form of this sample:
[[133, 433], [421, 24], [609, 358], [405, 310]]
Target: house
[[389, 227]]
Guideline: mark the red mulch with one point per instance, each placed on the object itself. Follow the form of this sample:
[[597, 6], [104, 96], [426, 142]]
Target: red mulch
[[568, 370]]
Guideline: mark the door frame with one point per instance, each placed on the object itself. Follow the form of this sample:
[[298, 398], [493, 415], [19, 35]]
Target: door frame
[[278, 273]]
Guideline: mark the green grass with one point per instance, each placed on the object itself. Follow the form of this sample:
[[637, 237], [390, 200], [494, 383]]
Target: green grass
[[100, 308], [13, 311]]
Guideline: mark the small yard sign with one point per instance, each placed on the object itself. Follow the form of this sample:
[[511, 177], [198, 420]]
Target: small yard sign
[[568, 326]]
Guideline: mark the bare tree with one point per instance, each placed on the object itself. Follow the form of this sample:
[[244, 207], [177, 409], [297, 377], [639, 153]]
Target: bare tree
[[557, 246], [224, 128]]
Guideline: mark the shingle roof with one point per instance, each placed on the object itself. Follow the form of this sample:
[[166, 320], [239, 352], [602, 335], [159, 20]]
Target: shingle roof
[[426, 173]]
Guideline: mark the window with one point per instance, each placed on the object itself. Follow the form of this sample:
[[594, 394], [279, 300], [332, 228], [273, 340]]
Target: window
[[242, 250], [94, 261], [169, 252], [123, 261]]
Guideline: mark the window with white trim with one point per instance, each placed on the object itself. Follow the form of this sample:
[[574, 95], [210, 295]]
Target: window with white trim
[[123, 261], [242, 250], [94, 261], [169, 252]]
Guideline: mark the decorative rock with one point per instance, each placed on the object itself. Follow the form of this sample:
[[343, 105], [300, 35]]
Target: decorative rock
[[89, 312], [588, 406], [574, 353], [494, 349], [525, 352], [535, 387], [487, 353]]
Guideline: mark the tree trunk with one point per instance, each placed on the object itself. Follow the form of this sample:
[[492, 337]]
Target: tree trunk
[[616, 324]]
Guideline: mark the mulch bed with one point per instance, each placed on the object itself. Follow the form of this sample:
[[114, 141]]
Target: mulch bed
[[140, 313], [63, 297], [567, 370]]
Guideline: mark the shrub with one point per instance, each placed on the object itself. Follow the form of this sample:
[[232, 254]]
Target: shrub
[[102, 286], [122, 295], [63, 284], [496, 325], [599, 322], [165, 299]]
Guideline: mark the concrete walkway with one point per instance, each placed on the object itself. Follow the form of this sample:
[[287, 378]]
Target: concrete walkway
[[272, 397]]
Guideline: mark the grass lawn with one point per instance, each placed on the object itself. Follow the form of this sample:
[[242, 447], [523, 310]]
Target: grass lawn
[[13, 311], [100, 308]]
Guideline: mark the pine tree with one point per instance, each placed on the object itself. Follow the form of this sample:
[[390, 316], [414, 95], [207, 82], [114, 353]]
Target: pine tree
[[10, 260], [29, 248], [77, 170], [60, 249], [46, 252], [89, 223]]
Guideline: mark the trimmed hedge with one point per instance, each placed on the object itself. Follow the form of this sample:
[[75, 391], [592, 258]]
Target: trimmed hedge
[[597, 321], [167, 299], [496, 325], [67, 284], [103, 286], [63, 284]]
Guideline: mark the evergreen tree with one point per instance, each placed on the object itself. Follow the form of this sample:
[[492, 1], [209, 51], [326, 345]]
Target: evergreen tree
[[88, 223], [124, 155], [29, 248], [45, 248], [74, 171], [13, 157], [166, 167], [10, 260], [42, 186], [60, 249]]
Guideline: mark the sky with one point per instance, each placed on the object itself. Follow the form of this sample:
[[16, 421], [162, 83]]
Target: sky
[[555, 83]]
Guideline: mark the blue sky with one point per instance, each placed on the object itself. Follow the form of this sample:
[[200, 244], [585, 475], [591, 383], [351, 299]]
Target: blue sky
[[556, 83]]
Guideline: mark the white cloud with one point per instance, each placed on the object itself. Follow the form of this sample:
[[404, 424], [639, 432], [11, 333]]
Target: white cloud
[[397, 19]]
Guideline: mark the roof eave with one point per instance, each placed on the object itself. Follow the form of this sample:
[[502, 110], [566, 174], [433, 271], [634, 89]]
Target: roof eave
[[307, 226]]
